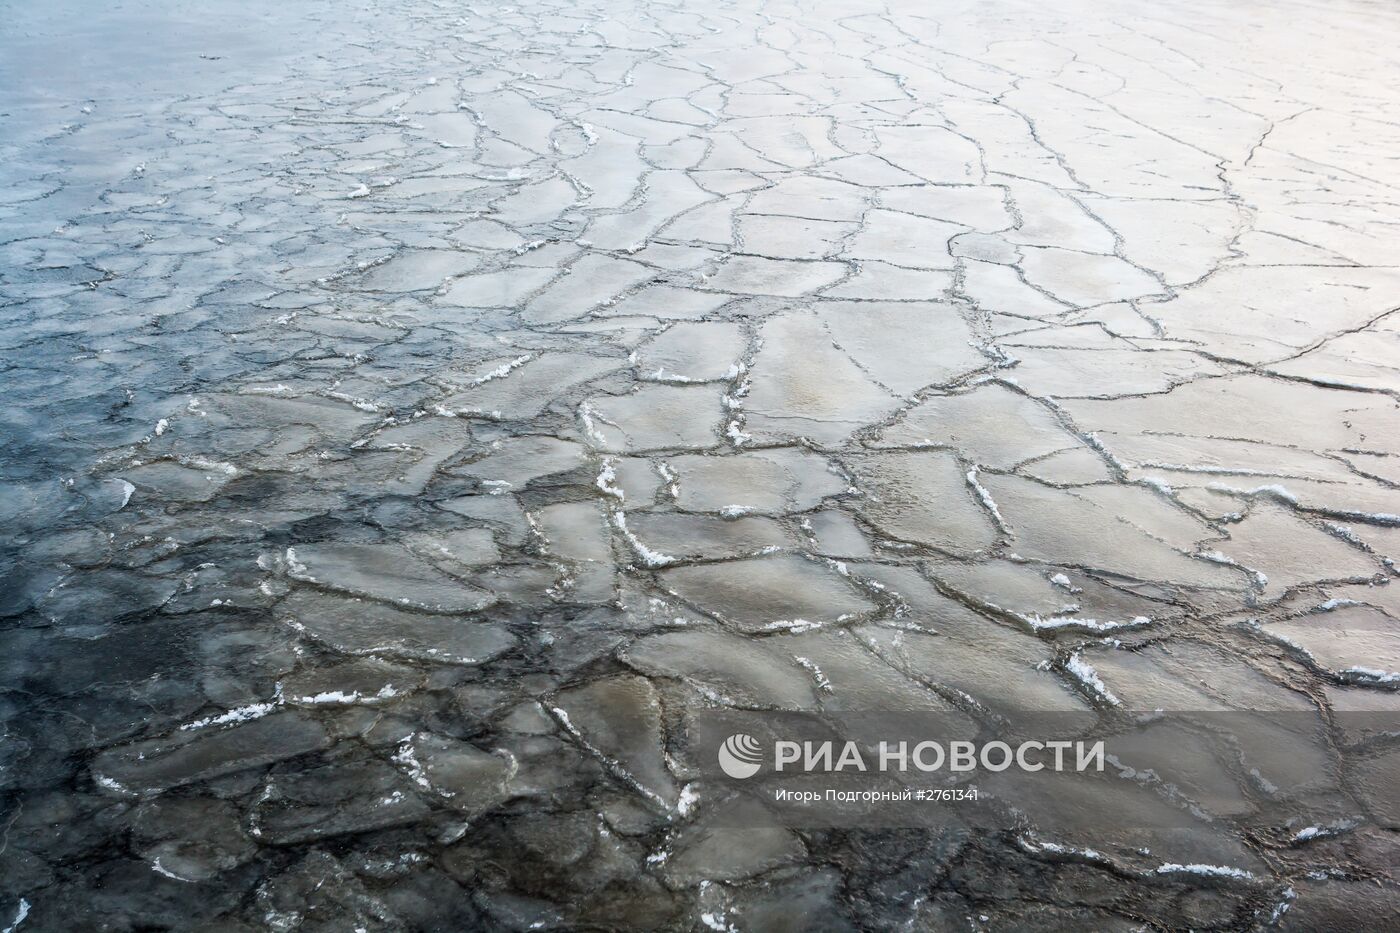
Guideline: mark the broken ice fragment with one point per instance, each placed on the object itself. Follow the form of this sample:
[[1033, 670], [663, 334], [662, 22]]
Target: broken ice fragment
[[769, 593], [385, 572]]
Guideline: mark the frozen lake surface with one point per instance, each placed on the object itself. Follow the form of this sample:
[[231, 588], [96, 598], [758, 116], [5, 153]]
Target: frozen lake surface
[[414, 412]]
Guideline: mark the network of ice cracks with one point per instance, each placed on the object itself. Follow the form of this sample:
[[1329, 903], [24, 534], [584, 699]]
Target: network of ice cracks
[[413, 412]]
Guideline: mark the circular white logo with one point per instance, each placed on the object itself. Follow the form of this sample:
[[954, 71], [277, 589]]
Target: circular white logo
[[740, 756]]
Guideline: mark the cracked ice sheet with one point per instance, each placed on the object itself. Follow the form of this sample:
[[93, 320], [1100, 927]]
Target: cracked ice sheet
[[384, 384]]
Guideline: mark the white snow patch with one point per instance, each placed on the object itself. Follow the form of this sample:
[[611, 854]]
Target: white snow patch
[[1373, 675], [986, 498], [101, 780], [238, 714], [791, 625], [1321, 832], [202, 463], [718, 922], [503, 370], [409, 761], [1207, 468], [361, 404], [386, 692], [1270, 489], [1039, 623], [1036, 846], [1375, 518], [607, 481], [586, 414], [1261, 579], [160, 869], [823, 684], [669, 477], [1097, 443], [687, 800], [649, 557], [1084, 672], [297, 566], [19, 917], [1210, 871]]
